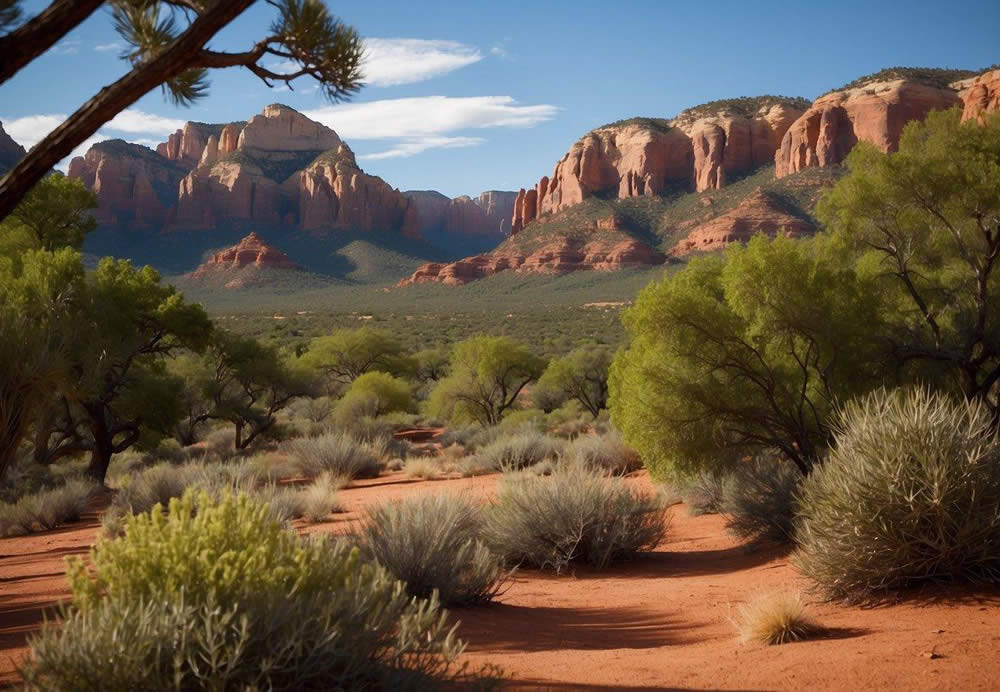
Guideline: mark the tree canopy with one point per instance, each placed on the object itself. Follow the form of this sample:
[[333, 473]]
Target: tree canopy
[[581, 375], [347, 354]]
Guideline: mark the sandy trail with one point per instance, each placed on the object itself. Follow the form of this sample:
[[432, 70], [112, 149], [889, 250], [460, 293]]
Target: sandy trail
[[660, 622]]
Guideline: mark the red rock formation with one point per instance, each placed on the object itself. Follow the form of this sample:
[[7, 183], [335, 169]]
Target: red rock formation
[[981, 96], [875, 113], [133, 185], [701, 147], [10, 151], [187, 144], [758, 213], [485, 215], [280, 128], [252, 251]]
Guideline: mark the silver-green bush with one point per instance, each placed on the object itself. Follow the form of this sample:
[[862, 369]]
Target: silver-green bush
[[219, 596], [910, 494], [704, 493], [607, 453], [519, 450], [338, 453], [431, 543], [573, 515], [46, 509], [758, 500]]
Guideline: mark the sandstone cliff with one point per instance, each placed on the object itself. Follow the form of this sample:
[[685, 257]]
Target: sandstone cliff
[[134, 185], [10, 151], [701, 148], [980, 96], [488, 214]]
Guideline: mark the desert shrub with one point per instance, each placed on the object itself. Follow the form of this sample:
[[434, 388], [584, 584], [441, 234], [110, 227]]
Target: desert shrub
[[472, 436], [46, 509], [704, 492], [319, 499], [338, 453], [424, 468], [219, 596], [573, 515], [221, 443], [431, 543], [272, 466], [909, 494], [607, 453], [758, 501], [775, 618], [154, 485], [523, 419], [519, 450]]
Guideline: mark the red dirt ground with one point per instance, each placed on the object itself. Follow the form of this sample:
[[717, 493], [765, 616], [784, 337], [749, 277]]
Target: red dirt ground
[[660, 622]]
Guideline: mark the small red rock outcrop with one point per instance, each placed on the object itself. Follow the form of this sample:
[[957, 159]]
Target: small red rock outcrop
[[874, 113], [758, 213], [252, 251]]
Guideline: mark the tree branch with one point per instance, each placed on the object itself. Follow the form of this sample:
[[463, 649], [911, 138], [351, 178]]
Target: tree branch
[[46, 29]]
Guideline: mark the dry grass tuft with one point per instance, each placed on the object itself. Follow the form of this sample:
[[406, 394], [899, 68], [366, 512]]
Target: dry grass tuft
[[775, 618]]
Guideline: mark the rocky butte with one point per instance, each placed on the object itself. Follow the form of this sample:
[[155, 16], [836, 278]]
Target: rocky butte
[[230, 267]]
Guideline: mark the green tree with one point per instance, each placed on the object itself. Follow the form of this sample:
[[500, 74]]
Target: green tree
[[375, 394], [347, 354], [168, 47], [36, 297], [249, 384], [927, 222], [487, 374], [122, 328], [745, 352], [581, 375], [431, 364], [53, 215]]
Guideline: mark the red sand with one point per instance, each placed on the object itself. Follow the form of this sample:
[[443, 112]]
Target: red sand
[[661, 622]]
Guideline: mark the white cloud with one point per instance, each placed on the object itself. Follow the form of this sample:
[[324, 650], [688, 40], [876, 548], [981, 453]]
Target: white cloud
[[498, 50], [428, 115], [394, 61], [411, 146], [67, 46], [31, 129], [108, 47], [136, 121]]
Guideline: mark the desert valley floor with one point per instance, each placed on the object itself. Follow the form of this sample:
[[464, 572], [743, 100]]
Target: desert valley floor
[[660, 622]]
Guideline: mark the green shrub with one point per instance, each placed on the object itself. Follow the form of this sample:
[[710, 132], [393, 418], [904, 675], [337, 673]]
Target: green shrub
[[431, 542], [519, 450], [46, 509], [219, 596], [909, 494], [338, 453], [607, 453], [523, 419], [704, 493], [758, 501], [573, 515]]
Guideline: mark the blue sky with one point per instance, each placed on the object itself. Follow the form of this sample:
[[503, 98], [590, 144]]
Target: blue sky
[[469, 96]]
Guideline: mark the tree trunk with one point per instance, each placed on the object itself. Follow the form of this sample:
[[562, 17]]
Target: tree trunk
[[27, 42], [112, 100], [10, 437], [100, 455]]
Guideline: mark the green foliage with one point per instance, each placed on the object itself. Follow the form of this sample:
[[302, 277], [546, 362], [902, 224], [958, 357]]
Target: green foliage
[[347, 354], [939, 77], [337, 453], [745, 106], [910, 494], [53, 215], [745, 352], [573, 515], [926, 221], [431, 542], [219, 596], [654, 124], [431, 363], [486, 376], [758, 501], [581, 375], [46, 509], [382, 393]]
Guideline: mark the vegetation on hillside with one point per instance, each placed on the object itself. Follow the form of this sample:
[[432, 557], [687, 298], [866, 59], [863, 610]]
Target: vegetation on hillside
[[939, 77]]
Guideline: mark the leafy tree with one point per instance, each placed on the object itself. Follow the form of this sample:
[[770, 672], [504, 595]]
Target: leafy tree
[[167, 46], [123, 326], [250, 383], [487, 375], [53, 215], [581, 375], [745, 352], [431, 363], [36, 296], [375, 394], [347, 354], [195, 404], [927, 220]]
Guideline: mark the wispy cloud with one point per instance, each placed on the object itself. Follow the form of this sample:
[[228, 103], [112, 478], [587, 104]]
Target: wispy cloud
[[417, 145], [136, 121], [67, 46], [428, 115], [498, 50], [394, 61], [112, 47]]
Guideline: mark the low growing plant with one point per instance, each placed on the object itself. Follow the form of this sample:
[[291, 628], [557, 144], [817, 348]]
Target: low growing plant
[[775, 618], [46, 509], [758, 501], [337, 453]]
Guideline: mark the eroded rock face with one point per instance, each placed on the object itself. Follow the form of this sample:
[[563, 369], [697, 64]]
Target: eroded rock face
[[980, 96], [642, 157], [488, 214], [874, 113], [251, 251], [10, 151], [758, 213], [133, 184], [280, 128], [187, 144]]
